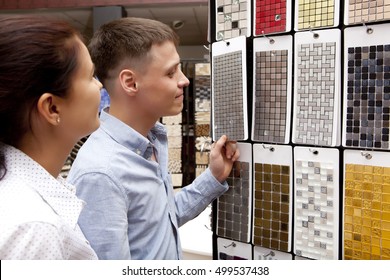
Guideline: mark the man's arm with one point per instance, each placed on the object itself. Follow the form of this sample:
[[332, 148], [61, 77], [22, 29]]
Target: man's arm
[[104, 218]]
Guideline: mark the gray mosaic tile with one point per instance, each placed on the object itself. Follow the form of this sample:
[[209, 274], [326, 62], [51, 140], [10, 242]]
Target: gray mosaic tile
[[228, 88], [233, 206], [271, 96]]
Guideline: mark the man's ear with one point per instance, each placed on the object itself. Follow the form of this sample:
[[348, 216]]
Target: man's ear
[[48, 108], [128, 81]]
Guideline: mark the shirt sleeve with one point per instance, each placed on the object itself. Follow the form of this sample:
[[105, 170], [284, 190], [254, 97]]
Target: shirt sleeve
[[194, 198], [104, 218], [32, 241]]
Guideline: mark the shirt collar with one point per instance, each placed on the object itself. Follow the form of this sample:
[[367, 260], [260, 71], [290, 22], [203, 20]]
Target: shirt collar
[[130, 138], [56, 192]]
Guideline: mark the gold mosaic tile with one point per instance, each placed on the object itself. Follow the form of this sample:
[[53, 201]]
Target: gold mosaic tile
[[315, 14], [271, 206], [367, 212]]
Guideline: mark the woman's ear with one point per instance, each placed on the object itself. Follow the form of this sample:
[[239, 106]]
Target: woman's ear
[[48, 108], [127, 79]]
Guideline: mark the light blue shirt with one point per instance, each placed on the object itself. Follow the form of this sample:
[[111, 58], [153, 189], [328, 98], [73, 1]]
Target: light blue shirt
[[132, 211]]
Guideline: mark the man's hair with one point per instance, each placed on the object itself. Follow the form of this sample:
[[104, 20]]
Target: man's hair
[[127, 39]]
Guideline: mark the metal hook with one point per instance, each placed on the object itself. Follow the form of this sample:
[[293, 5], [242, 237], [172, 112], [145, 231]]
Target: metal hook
[[206, 47], [315, 35], [271, 41], [271, 253], [366, 155], [369, 30], [231, 244], [315, 152], [270, 148]]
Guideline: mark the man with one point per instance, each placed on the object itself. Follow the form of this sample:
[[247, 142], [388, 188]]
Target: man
[[122, 169]]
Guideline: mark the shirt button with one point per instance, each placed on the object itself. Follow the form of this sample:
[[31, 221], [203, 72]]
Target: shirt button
[[138, 152]]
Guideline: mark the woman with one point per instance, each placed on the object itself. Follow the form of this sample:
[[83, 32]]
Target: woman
[[49, 99]]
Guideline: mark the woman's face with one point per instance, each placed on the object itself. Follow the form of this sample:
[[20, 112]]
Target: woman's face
[[80, 110]]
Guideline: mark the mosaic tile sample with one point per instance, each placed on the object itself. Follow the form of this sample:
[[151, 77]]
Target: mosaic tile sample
[[202, 110], [265, 254], [316, 210], [202, 86], [233, 210], [316, 93], [233, 18], [229, 91], [272, 197], [234, 206], [368, 96], [367, 212], [271, 96], [315, 14], [202, 129], [271, 16], [272, 205], [233, 250], [359, 11], [174, 133]]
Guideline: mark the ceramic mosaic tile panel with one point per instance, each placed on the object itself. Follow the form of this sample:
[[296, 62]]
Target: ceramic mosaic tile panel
[[367, 87], [202, 86], [233, 250], [359, 11], [260, 253], [229, 90], [316, 14], [232, 18], [366, 217], [317, 88], [271, 16], [234, 206], [272, 201], [202, 110], [316, 188], [174, 132], [272, 89]]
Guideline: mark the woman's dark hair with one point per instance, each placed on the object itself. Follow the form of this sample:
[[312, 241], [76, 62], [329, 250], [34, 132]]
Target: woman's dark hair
[[37, 55]]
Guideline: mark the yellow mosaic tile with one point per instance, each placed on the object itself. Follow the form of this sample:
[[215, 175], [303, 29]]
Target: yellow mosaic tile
[[366, 212], [314, 14]]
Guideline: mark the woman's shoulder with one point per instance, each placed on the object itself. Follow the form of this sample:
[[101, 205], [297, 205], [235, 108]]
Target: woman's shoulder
[[20, 203]]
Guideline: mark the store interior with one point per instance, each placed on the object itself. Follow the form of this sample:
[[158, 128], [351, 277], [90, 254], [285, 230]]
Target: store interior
[[304, 88]]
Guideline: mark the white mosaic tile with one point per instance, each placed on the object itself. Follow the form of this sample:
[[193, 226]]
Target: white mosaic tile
[[317, 109], [316, 212]]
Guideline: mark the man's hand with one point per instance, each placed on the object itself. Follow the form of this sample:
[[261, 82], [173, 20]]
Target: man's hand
[[222, 156]]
